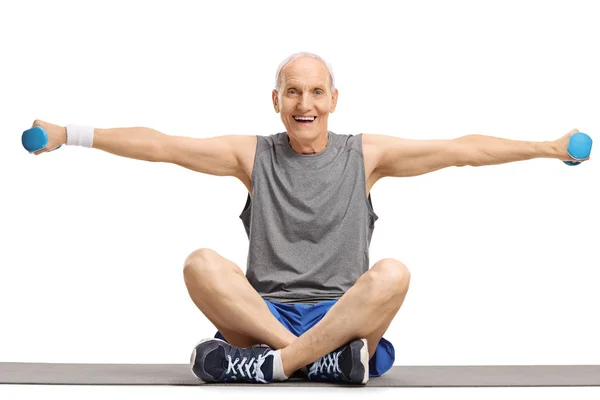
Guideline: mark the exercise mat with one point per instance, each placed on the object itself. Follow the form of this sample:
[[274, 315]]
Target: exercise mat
[[398, 376]]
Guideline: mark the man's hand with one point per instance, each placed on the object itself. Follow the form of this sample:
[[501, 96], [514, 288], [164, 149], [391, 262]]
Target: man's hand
[[562, 146], [57, 135]]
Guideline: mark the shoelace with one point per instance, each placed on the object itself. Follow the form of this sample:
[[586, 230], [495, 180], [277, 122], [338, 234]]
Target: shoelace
[[247, 368], [328, 364]]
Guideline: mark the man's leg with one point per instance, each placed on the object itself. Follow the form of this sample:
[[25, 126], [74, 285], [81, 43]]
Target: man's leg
[[221, 291], [364, 311]]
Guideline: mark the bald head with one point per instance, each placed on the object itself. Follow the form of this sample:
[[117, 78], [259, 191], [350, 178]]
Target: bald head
[[305, 61]]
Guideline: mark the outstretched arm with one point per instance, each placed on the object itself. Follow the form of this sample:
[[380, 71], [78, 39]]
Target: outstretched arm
[[218, 155], [408, 157]]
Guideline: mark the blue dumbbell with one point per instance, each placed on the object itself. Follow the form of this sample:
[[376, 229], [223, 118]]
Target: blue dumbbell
[[580, 147], [35, 139]]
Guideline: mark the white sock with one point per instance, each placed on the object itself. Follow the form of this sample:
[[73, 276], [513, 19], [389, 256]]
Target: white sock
[[278, 374]]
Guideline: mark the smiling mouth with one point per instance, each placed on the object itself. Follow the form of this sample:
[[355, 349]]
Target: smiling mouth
[[304, 120]]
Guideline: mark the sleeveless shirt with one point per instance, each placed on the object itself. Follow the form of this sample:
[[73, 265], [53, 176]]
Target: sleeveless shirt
[[309, 221]]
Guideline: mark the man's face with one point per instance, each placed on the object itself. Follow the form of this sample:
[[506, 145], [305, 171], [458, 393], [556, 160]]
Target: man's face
[[305, 91]]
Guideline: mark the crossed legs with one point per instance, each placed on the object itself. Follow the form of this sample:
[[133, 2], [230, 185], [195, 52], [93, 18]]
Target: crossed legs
[[219, 288]]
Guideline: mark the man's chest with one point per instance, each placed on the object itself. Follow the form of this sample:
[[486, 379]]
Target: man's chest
[[369, 151]]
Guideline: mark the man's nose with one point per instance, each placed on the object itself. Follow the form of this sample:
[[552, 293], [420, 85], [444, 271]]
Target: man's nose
[[305, 103]]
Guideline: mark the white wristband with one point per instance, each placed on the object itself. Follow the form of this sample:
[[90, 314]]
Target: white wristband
[[80, 135]]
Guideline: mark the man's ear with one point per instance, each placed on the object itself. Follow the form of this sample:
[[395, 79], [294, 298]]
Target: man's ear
[[334, 98], [275, 96]]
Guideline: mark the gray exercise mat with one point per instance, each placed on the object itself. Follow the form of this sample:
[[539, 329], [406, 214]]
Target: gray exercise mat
[[399, 376]]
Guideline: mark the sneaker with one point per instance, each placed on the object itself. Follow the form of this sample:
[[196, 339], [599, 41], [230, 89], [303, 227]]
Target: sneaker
[[214, 360], [349, 363], [299, 374]]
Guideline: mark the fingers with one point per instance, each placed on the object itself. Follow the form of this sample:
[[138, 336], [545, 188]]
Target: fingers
[[573, 131]]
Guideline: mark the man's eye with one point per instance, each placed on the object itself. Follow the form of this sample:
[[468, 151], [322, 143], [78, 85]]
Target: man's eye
[[319, 91]]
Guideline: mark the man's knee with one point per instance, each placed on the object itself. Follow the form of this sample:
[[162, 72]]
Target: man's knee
[[201, 262], [390, 276]]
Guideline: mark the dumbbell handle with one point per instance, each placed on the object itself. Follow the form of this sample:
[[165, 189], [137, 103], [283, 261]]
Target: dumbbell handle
[[580, 147], [34, 139]]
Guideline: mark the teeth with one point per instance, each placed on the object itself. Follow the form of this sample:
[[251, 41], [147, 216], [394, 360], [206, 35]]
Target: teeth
[[304, 118]]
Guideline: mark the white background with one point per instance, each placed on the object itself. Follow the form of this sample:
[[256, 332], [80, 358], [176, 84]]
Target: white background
[[504, 258]]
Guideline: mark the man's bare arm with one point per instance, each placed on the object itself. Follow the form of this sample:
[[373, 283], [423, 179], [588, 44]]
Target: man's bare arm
[[214, 155], [139, 143], [400, 157], [219, 155]]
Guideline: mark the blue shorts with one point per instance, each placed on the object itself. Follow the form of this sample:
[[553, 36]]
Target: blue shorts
[[298, 318]]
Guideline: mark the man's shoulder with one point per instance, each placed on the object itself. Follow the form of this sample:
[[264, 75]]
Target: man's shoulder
[[248, 147], [375, 142]]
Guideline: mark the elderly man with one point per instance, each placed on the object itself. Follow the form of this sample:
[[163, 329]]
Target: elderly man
[[309, 304]]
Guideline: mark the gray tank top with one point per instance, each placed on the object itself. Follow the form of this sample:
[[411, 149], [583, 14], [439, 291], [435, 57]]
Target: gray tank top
[[309, 220]]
